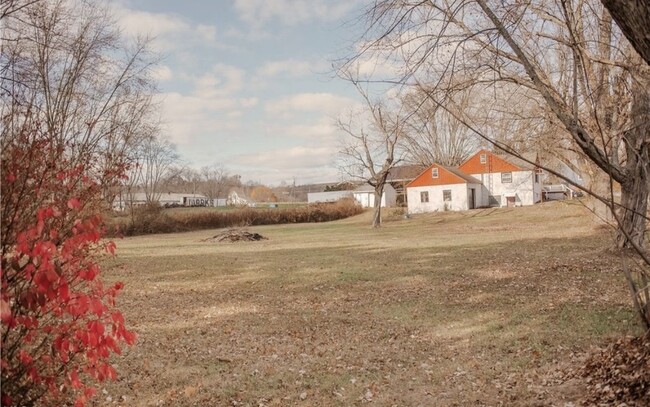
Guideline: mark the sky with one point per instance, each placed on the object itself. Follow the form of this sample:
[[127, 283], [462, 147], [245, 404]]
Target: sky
[[248, 84]]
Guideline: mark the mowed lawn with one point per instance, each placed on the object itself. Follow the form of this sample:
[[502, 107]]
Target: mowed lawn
[[480, 308]]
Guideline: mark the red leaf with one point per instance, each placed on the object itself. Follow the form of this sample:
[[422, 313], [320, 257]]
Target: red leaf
[[110, 247], [5, 312], [97, 307], [25, 358], [6, 400], [74, 203], [74, 380]]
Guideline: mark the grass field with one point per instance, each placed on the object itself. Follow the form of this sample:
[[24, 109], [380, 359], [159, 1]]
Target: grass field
[[481, 308]]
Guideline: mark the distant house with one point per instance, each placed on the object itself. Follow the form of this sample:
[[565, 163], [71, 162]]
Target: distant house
[[365, 195], [485, 179]]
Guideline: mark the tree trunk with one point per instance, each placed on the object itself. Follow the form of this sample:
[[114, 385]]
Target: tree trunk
[[634, 190], [634, 199], [376, 219], [633, 18]]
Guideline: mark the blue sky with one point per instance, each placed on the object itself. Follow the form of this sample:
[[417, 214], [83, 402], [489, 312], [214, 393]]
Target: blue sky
[[248, 83]]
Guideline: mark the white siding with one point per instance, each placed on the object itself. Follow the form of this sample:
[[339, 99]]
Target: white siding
[[522, 187], [390, 196], [459, 198], [366, 198]]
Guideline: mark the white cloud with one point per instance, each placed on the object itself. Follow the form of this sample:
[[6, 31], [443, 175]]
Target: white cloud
[[291, 12], [290, 158], [305, 164], [221, 80], [291, 67], [327, 103], [248, 102], [168, 30], [323, 130], [135, 22], [162, 73], [186, 118], [207, 32]]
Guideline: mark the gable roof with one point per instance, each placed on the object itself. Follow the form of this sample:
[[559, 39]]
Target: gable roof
[[446, 176], [370, 188], [493, 163], [404, 172], [464, 176], [518, 161]]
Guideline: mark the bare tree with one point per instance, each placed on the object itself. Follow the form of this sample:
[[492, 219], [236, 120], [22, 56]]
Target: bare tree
[[567, 56], [435, 136], [157, 160], [371, 151], [215, 181], [66, 69]]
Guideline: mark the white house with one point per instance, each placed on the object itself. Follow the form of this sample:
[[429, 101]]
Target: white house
[[485, 179], [440, 188], [365, 195], [507, 181]]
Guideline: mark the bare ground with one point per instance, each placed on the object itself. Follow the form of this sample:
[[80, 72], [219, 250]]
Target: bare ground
[[482, 308]]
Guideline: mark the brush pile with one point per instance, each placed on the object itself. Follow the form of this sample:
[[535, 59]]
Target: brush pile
[[235, 235]]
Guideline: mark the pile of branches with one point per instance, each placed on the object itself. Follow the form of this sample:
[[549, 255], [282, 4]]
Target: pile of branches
[[236, 235], [619, 374]]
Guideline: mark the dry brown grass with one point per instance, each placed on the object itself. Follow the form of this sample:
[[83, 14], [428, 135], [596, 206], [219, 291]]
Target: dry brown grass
[[477, 308]]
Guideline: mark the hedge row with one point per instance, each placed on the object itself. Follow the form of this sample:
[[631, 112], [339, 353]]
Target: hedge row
[[154, 219]]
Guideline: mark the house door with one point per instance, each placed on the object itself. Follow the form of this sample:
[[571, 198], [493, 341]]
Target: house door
[[511, 201], [472, 198]]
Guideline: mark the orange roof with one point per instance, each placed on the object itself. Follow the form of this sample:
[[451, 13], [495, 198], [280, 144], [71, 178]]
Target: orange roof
[[446, 176], [493, 163]]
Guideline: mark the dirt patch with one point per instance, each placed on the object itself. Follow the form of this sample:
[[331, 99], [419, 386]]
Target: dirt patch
[[235, 235]]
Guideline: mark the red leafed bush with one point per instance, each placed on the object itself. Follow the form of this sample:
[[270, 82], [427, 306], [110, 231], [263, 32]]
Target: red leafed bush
[[59, 322]]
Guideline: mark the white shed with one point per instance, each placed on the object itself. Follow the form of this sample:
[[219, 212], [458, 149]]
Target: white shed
[[365, 195]]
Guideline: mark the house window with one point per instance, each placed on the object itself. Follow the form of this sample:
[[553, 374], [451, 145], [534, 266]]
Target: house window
[[434, 173], [424, 196], [446, 195], [483, 158], [506, 177], [536, 178]]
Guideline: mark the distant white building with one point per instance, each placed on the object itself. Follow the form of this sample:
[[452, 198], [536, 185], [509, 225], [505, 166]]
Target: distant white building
[[166, 199], [365, 195]]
